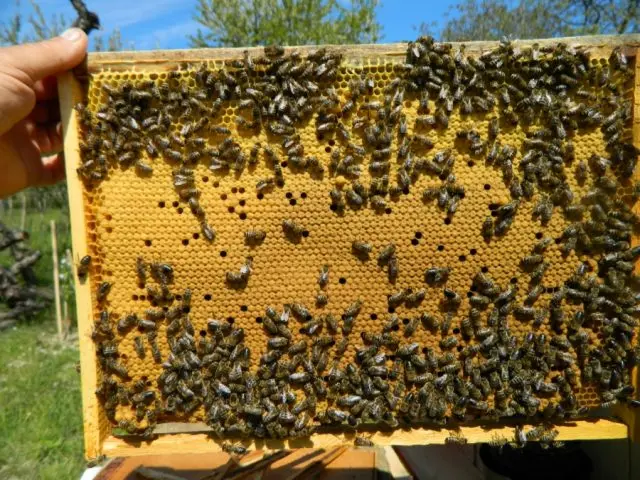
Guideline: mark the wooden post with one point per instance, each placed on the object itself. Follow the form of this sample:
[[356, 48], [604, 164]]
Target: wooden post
[[66, 323], [56, 277], [66, 319], [23, 212]]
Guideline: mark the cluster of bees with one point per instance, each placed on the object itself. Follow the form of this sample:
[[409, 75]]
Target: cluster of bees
[[302, 383]]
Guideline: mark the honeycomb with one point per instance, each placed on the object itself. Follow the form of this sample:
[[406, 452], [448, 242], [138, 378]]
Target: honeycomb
[[459, 354]]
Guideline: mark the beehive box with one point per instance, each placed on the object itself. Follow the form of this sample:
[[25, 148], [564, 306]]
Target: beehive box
[[470, 175]]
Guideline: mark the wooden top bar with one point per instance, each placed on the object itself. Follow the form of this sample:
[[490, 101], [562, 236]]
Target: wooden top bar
[[150, 59]]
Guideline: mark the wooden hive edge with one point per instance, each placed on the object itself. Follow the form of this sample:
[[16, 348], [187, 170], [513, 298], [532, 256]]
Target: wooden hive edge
[[601, 429], [69, 91], [152, 59], [630, 415]]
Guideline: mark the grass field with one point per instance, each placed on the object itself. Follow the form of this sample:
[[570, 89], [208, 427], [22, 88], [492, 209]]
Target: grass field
[[40, 408]]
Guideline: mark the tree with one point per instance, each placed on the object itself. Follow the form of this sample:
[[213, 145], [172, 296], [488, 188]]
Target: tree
[[237, 23], [114, 42], [38, 27], [494, 19]]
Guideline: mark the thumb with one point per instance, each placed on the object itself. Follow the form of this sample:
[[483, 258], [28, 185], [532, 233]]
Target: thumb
[[50, 57]]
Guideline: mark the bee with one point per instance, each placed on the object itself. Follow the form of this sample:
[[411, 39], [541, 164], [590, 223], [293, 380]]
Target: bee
[[415, 298], [264, 185], [411, 327], [543, 210], [141, 270], [538, 272], [430, 322], [321, 299], [293, 232], [455, 439], [494, 128], [83, 267], [396, 299], [139, 346], [542, 245], [300, 312], [208, 232], [337, 200], [436, 275], [323, 277], [254, 152], [353, 199], [466, 327], [392, 269], [361, 249], [127, 322], [487, 229], [532, 260], [533, 295], [254, 237], [423, 141], [448, 342], [581, 172], [235, 449], [162, 272], [354, 309], [103, 290], [386, 254], [278, 342]]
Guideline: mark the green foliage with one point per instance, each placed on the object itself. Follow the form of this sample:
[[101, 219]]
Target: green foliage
[[114, 42], [41, 415], [38, 27], [494, 19], [237, 23]]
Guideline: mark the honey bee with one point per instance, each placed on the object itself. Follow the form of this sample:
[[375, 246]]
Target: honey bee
[[323, 277], [354, 309], [208, 232], [392, 268], [254, 237], [139, 346], [361, 249], [83, 267], [235, 449], [411, 326], [103, 290], [414, 299], [292, 230], [386, 254], [264, 185], [436, 275]]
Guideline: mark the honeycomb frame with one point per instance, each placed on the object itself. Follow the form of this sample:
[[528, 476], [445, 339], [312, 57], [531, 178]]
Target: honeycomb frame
[[97, 431]]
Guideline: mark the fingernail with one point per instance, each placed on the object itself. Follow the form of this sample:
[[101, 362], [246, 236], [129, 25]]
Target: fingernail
[[73, 34]]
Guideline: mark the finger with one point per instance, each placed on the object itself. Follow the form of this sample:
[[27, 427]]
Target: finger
[[46, 89], [40, 113], [47, 138], [50, 57], [51, 171], [45, 112]]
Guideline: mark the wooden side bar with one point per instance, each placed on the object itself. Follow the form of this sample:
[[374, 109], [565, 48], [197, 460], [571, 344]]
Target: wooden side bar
[[70, 93]]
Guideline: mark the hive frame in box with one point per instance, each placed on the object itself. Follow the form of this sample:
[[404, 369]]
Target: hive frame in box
[[176, 439]]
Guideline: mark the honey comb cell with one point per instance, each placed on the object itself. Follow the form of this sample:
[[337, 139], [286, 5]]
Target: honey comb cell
[[300, 242]]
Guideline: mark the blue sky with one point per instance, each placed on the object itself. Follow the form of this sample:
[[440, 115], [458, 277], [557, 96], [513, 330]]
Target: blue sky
[[152, 24]]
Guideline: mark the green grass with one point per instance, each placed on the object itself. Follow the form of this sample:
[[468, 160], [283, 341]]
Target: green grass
[[40, 406]]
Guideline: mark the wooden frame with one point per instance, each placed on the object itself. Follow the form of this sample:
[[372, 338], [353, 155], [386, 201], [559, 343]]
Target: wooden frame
[[96, 444]]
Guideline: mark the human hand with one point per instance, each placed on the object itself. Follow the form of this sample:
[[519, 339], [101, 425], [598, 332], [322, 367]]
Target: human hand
[[30, 130]]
